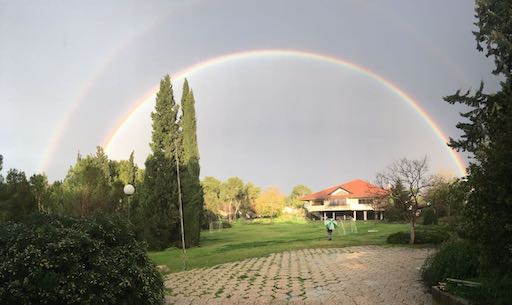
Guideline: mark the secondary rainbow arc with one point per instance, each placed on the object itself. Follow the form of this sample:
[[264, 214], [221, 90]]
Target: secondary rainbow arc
[[149, 96]]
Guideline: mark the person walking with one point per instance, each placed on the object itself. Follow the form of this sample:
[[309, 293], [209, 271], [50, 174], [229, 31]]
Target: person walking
[[330, 225]]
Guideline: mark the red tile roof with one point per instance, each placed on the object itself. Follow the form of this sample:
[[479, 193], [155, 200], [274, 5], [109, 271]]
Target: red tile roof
[[356, 189]]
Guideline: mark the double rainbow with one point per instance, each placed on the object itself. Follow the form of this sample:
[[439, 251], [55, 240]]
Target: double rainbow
[[149, 96]]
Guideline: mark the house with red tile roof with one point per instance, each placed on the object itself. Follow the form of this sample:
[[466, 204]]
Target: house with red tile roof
[[356, 199]]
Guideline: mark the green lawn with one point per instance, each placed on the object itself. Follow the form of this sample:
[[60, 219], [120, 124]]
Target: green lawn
[[246, 240]]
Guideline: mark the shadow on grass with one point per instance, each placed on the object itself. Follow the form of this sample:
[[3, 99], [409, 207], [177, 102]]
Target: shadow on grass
[[256, 244]]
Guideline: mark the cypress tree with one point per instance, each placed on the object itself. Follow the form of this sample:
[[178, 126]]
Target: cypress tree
[[191, 185], [160, 189]]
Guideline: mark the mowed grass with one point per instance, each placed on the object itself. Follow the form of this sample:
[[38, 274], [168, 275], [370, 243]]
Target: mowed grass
[[246, 240]]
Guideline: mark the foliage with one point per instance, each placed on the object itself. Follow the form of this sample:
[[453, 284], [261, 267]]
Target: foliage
[[212, 194], [423, 236], [161, 222], [487, 136], [446, 196], [47, 259], [193, 201], [39, 185], [429, 216], [16, 197], [90, 187], [270, 203], [399, 199], [457, 259], [293, 200], [413, 175], [229, 198], [128, 170], [160, 187], [233, 193], [165, 135]]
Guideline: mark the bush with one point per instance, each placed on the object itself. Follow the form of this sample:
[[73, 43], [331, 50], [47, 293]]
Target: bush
[[396, 214], [429, 216], [398, 238], [60, 260], [457, 259], [422, 236]]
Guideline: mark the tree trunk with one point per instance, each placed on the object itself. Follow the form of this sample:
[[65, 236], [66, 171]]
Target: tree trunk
[[413, 222], [229, 212]]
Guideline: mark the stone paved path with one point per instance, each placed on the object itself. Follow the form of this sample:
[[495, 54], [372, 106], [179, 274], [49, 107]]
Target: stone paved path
[[352, 275]]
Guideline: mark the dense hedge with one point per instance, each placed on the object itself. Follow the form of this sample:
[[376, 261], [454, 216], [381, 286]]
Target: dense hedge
[[429, 216], [456, 259], [59, 260], [422, 236]]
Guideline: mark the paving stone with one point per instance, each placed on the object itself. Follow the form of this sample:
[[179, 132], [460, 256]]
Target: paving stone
[[352, 276]]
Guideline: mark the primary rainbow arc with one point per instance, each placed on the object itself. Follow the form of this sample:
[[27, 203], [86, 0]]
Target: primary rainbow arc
[[149, 96]]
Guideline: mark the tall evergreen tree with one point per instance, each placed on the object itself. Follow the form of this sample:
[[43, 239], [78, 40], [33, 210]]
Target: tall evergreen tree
[[160, 189], [193, 201], [487, 135]]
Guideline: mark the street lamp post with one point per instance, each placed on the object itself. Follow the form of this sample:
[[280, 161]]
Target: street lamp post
[[129, 190]]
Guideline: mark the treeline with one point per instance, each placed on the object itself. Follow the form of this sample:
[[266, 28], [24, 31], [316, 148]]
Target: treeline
[[94, 185], [233, 199]]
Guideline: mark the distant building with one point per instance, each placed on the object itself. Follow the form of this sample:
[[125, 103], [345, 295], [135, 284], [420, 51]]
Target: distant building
[[356, 199]]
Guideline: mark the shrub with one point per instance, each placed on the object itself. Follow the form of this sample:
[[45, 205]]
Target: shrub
[[398, 238], [60, 260], [422, 236], [429, 216], [457, 259], [396, 214]]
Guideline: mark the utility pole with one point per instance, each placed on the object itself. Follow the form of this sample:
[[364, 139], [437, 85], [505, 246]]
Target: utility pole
[[181, 210]]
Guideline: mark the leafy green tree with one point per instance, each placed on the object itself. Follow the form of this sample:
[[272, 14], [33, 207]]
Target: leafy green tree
[[487, 135], [160, 188], [212, 194], [128, 170], [57, 198], [446, 196], [399, 203], [293, 200], [39, 185], [250, 193], [88, 189], [270, 202], [16, 198], [193, 201], [233, 194]]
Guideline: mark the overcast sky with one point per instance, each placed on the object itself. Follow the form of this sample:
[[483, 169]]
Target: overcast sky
[[81, 65]]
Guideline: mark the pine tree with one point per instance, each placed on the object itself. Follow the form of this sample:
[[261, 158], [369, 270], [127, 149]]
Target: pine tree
[[160, 189], [191, 185], [487, 135]]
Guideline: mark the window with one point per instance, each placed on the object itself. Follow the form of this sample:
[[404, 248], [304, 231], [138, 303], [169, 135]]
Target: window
[[365, 201], [335, 202]]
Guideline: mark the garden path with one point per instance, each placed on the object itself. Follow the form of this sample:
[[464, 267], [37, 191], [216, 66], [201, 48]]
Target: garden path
[[352, 275]]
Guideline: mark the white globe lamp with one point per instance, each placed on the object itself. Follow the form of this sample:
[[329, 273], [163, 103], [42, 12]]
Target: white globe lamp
[[129, 189]]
